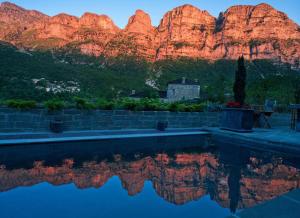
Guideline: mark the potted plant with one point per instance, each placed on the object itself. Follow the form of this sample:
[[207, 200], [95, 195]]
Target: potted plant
[[162, 125], [56, 125], [237, 116]]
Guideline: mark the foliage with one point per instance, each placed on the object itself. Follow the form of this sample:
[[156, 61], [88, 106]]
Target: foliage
[[148, 104], [20, 104], [240, 82], [82, 103], [181, 107], [129, 104], [105, 105], [54, 104], [115, 78], [297, 93], [282, 88]]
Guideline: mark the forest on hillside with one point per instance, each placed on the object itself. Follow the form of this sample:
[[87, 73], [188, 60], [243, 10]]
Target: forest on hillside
[[43, 75]]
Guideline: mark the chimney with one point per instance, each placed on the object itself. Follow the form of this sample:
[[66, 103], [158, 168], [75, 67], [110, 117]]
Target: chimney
[[183, 80]]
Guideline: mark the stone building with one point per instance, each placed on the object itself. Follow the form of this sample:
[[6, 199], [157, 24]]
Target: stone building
[[183, 89], [177, 90]]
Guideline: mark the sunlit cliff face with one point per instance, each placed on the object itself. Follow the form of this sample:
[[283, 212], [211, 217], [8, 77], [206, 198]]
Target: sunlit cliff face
[[178, 178], [257, 32]]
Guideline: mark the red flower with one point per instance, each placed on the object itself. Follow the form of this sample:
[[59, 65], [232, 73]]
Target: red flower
[[233, 104]]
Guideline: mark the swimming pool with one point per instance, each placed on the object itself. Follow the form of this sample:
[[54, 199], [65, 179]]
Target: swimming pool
[[186, 176]]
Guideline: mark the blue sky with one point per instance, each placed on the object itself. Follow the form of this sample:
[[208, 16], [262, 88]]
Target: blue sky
[[121, 10]]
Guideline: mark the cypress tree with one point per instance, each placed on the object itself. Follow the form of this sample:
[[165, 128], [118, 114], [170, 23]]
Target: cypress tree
[[240, 82]]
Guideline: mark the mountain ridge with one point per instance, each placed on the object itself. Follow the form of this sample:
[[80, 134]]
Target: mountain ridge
[[257, 32]]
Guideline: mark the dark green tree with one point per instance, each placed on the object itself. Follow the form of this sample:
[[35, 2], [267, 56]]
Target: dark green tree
[[297, 94], [240, 82]]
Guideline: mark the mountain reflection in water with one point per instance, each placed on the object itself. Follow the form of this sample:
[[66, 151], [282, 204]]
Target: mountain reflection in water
[[181, 170]]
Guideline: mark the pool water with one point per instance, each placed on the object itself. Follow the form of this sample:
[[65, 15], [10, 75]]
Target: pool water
[[187, 176]]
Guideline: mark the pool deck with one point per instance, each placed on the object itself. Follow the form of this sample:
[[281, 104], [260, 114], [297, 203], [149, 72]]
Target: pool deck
[[281, 139], [277, 139]]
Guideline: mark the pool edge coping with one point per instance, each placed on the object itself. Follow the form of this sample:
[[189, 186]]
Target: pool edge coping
[[120, 135]]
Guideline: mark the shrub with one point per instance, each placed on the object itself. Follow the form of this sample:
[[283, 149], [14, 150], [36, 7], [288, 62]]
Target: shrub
[[54, 104], [82, 103], [173, 107], [105, 105], [199, 107], [149, 104], [180, 107], [20, 104], [130, 104]]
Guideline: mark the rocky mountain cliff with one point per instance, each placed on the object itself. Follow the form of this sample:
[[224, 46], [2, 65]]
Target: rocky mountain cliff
[[179, 179], [257, 32]]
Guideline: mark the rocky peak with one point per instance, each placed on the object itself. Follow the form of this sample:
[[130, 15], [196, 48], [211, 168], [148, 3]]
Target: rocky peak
[[265, 6], [10, 12], [140, 22], [15, 20], [10, 6], [92, 20], [260, 21], [186, 14], [183, 31], [257, 32], [65, 19]]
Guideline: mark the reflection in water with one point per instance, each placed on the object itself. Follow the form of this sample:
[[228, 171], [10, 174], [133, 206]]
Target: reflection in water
[[180, 170]]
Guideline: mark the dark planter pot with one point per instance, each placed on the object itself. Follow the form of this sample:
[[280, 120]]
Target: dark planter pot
[[298, 126], [237, 119], [298, 121], [56, 126], [161, 126]]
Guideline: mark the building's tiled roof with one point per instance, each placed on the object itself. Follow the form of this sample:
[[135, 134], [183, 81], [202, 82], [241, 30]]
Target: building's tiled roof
[[184, 81]]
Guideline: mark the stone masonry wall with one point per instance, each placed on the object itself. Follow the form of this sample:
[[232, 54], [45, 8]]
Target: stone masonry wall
[[37, 120]]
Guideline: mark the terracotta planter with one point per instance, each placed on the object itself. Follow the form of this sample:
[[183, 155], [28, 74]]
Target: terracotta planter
[[237, 119]]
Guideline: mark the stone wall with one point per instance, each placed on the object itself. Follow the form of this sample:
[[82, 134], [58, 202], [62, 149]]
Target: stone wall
[[35, 120]]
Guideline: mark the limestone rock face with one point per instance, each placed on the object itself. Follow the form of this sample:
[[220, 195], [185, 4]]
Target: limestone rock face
[[61, 26], [94, 21], [15, 20], [140, 23], [94, 32], [186, 31], [257, 32], [138, 38]]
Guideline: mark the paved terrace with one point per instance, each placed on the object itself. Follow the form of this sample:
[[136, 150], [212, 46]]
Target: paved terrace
[[279, 139]]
